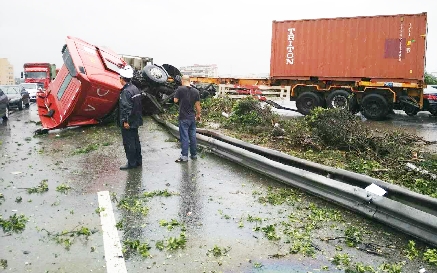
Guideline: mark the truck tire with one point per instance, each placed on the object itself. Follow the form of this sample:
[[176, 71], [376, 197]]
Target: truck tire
[[307, 101], [338, 99], [374, 107], [155, 74], [411, 111]]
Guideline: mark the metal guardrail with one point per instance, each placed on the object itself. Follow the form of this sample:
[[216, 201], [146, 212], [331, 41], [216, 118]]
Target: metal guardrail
[[410, 220]]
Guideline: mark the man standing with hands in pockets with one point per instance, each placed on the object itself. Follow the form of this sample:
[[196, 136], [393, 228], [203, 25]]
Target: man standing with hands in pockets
[[188, 99]]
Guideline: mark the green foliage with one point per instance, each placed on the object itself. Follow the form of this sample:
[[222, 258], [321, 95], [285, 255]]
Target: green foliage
[[341, 259], [133, 205], [392, 268], [15, 223], [87, 149], [270, 232], [135, 246], [353, 236], [163, 193], [279, 196], [217, 251], [360, 268], [42, 187], [63, 188], [430, 79], [99, 210], [172, 243], [248, 112], [430, 256], [170, 225], [4, 263], [410, 251]]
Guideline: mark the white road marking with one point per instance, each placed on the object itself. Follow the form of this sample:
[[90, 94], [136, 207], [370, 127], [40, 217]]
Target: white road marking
[[113, 254]]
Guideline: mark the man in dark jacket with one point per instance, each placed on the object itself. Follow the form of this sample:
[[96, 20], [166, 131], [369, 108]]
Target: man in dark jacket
[[188, 99], [130, 118]]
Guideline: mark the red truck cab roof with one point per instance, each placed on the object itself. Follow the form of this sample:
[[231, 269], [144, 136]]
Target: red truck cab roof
[[86, 88]]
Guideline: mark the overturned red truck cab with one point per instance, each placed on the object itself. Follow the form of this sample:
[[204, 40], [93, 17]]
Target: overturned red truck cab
[[86, 88]]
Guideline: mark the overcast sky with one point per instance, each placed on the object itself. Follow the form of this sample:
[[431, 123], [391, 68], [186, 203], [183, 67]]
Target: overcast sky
[[235, 35]]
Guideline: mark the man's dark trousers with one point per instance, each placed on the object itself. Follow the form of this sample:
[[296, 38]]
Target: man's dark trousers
[[132, 147]]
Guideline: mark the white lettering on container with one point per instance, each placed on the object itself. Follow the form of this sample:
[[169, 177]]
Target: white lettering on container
[[290, 46], [400, 41]]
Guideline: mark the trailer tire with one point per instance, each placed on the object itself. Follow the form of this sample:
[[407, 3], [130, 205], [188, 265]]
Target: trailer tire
[[155, 74], [374, 107], [338, 99], [307, 101], [411, 111]]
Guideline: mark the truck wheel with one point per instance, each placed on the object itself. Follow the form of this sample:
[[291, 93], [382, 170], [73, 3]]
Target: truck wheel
[[307, 101], [338, 99], [20, 105], [155, 74], [27, 105], [374, 107], [411, 111]]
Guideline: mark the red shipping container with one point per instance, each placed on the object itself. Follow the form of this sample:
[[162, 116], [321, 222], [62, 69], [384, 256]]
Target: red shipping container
[[382, 48]]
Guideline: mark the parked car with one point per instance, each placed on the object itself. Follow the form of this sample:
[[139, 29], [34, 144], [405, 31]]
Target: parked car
[[430, 99], [32, 88], [4, 111], [17, 98]]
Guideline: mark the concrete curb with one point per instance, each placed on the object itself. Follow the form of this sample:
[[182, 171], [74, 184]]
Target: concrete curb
[[405, 218]]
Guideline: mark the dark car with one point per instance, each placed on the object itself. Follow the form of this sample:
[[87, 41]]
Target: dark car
[[430, 99], [17, 98], [4, 111]]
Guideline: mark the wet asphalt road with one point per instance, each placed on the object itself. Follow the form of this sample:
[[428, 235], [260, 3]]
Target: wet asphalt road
[[214, 200]]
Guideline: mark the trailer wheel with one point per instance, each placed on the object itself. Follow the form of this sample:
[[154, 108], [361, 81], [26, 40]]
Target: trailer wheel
[[155, 73], [374, 107], [338, 99], [307, 101]]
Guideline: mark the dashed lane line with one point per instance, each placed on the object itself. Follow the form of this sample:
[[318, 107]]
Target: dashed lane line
[[113, 254]]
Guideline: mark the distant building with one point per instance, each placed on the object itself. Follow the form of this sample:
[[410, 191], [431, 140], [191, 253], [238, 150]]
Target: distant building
[[198, 70], [6, 72]]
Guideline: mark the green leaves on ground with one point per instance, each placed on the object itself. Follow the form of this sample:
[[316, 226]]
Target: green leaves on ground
[[217, 251], [172, 243], [14, 224], [133, 205], [67, 238], [162, 193], [87, 149], [41, 188], [430, 256], [170, 225], [410, 251], [135, 246], [63, 188]]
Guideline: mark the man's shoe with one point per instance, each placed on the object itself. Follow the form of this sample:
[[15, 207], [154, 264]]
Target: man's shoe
[[193, 157], [180, 159], [126, 167]]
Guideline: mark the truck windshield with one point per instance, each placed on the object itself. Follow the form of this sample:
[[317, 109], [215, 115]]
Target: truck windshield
[[36, 75], [69, 62]]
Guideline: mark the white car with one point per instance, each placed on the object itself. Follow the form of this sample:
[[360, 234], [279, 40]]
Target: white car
[[32, 88]]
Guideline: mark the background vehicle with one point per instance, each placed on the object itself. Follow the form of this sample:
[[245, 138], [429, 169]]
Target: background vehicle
[[40, 73], [430, 99], [17, 99], [344, 63], [4, 111], [31, 88]]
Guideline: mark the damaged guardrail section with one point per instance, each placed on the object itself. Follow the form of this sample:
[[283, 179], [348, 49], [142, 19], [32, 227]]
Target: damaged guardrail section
[[405, 218]]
